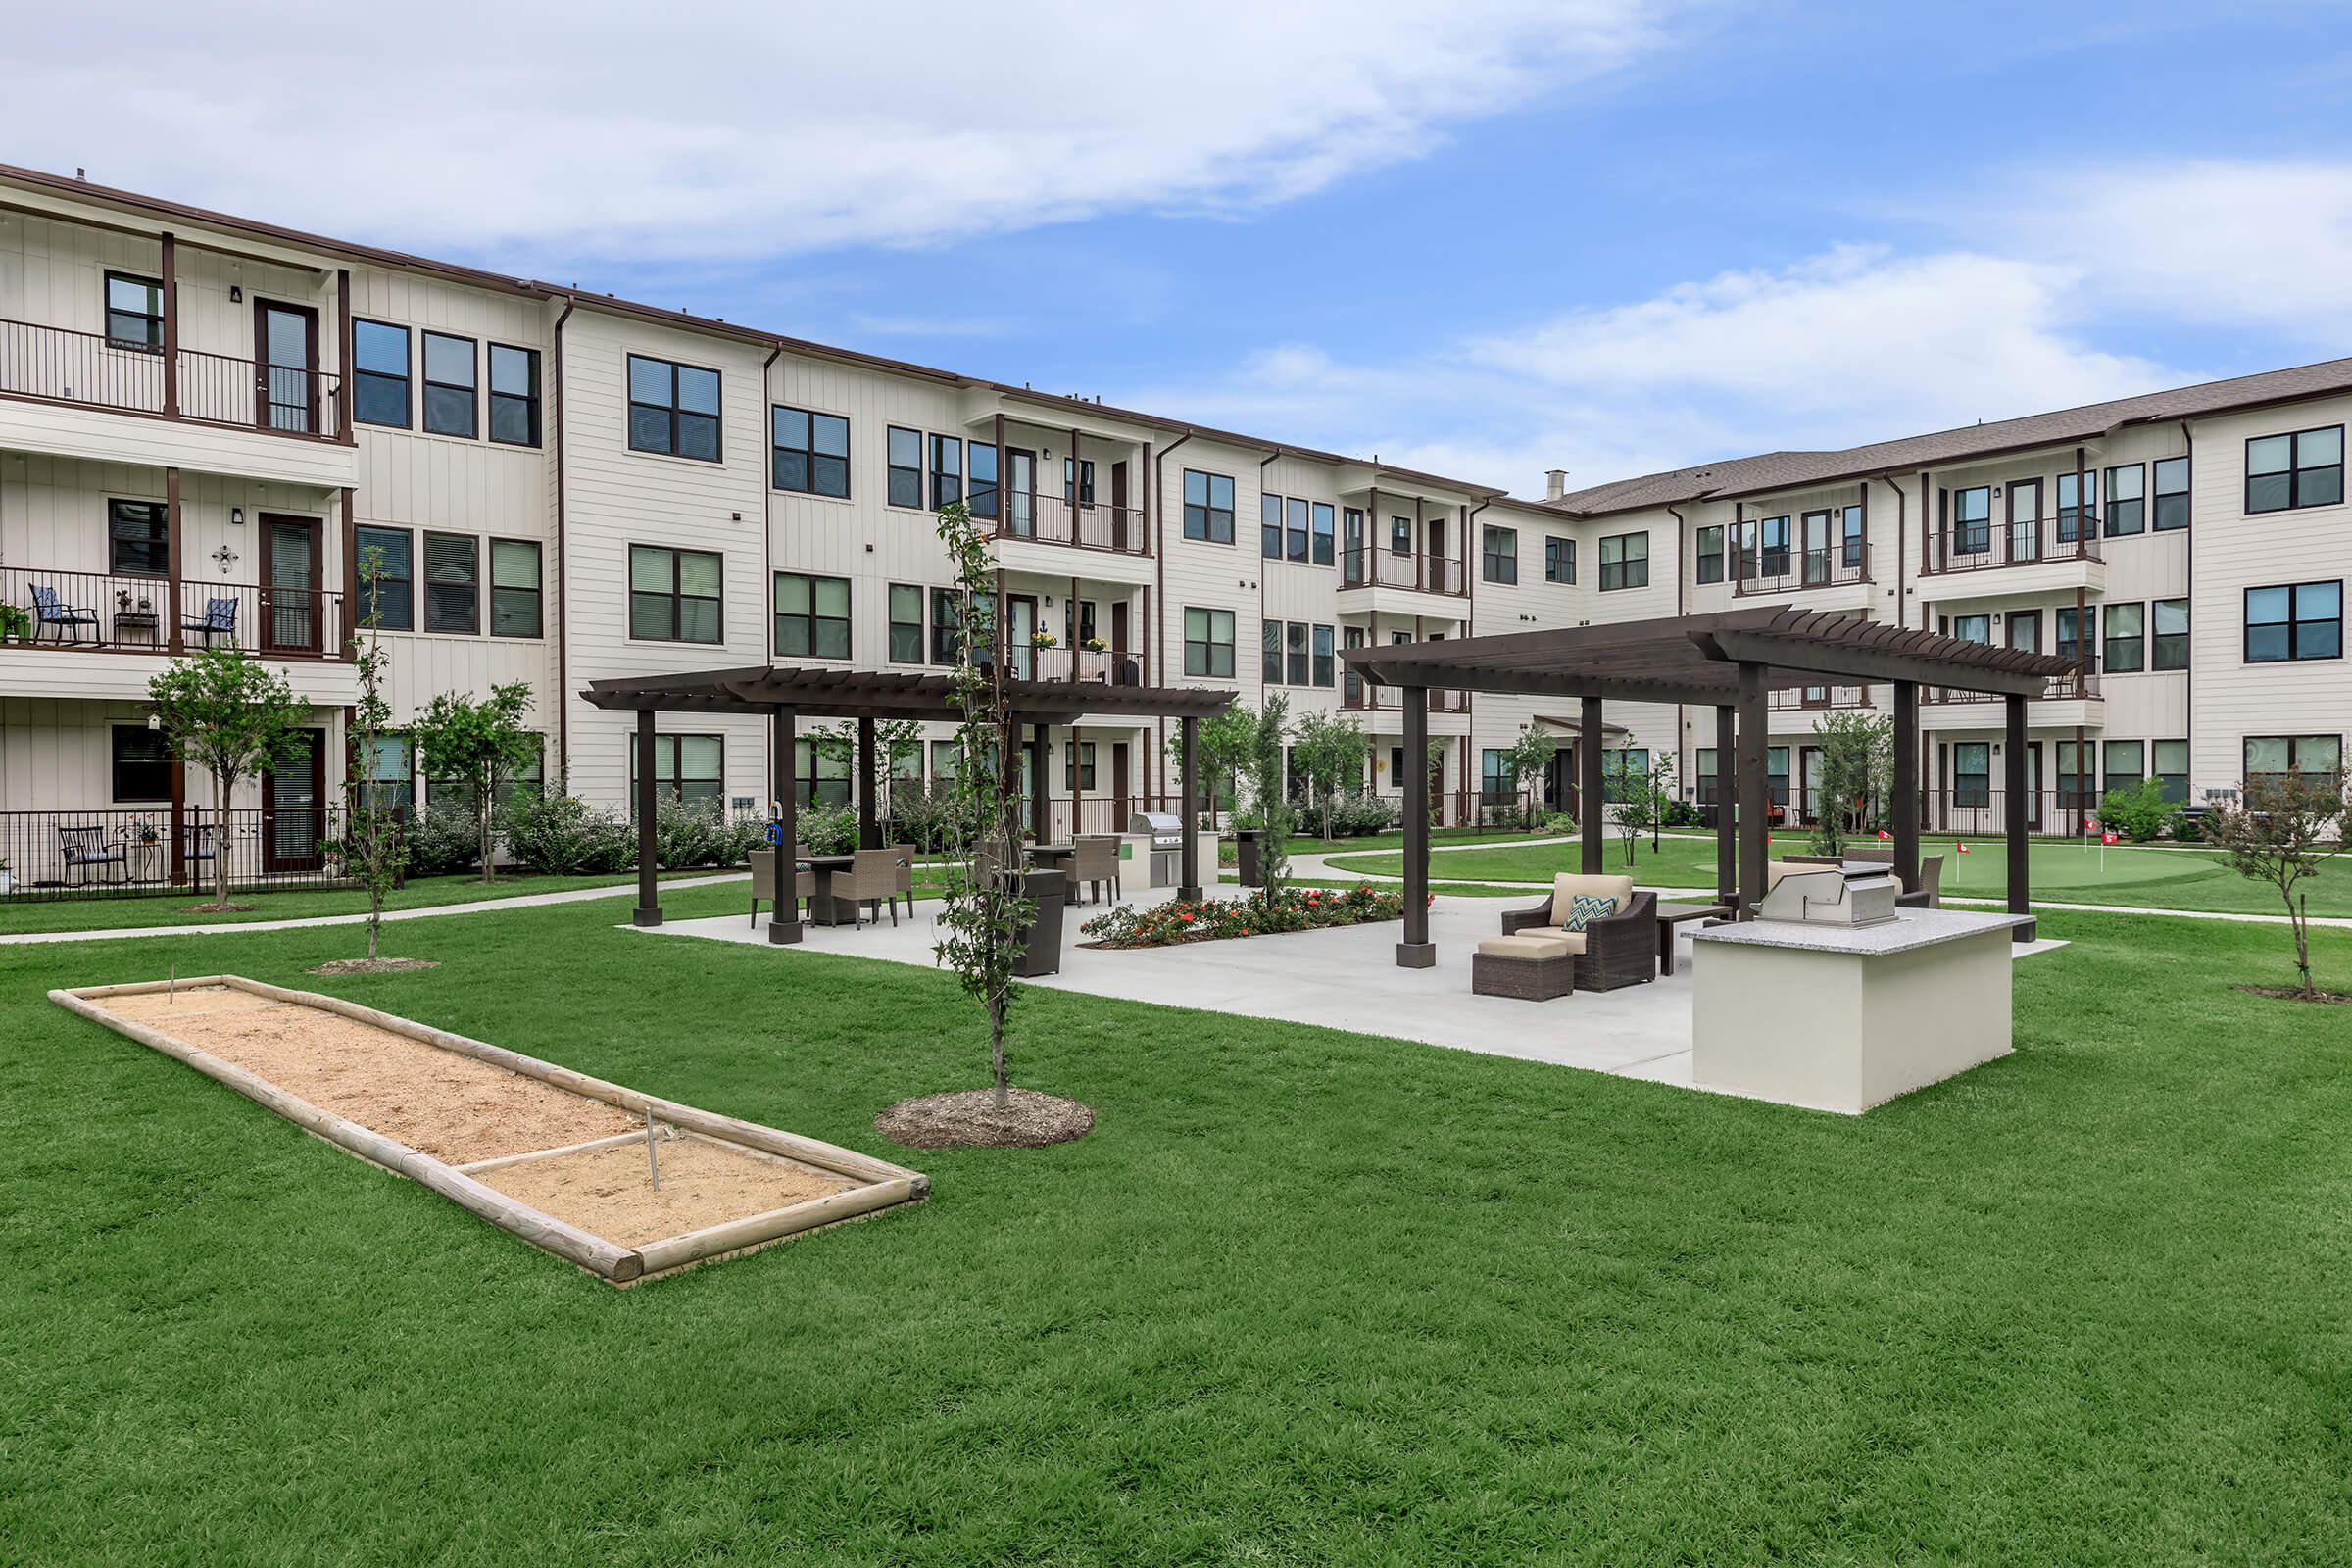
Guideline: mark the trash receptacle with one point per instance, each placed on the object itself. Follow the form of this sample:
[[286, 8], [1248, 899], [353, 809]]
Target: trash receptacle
[[1041, 941], [1247, 852]]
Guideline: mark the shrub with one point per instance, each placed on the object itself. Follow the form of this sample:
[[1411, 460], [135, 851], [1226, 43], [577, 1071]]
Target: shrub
[[691, 835], [1559, 822], [1357, 815], [558, 834], [828, 832], [1295, 909], [2140, 812], [928, 820], [443, 840]]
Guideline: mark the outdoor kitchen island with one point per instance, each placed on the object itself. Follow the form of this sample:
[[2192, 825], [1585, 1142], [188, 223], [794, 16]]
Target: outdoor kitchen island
[[1846, 1016]]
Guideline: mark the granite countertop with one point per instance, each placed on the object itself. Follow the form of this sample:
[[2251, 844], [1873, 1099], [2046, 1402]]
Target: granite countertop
[[1908, 930]]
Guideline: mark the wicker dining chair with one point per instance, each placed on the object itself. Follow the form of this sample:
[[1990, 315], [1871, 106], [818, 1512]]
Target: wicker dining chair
[[905, 870], [871, 879], [764, 884], [1095, 862]]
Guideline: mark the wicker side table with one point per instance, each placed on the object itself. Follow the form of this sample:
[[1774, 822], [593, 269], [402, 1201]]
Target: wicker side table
[[1530, 968]]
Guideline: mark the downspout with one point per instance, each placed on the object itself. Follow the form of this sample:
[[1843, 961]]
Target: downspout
[[562, 580], [1902, 510], [2189, 563], [776, 787], [1682, 528], [1160, 600]]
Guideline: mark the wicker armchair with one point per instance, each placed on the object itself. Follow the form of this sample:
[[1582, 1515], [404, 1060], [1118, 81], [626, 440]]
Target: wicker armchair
[[871, 879], [763, 882], [1619, 949]]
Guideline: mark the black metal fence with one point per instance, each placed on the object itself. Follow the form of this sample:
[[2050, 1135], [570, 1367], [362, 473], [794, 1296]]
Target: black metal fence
[[132, 851]]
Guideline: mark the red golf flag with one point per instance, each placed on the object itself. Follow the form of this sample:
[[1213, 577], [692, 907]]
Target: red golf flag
[[2107, 837], [1962, 848], [1883, 835]]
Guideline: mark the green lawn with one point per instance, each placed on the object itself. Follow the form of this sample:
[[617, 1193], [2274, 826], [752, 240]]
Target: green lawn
[[1303, 1297], [2065, 873]]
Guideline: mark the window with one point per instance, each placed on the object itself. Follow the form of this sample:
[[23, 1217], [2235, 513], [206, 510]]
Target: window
[[673, 409], [808, 453], [1499, 554], [514, 588], [1773, 559], [812, 616], [392, 603], [142, 765], [1324, 543], [1401, 536], [1078, 765], [1295, 516], [2303, 470], [906, 461], [2071, 510], [380, 362], [946, 761], [2126, 760], [1969, 628], [2171, 634], [2172, 770], [453, 583], [1852, 550], [946, 623], [1971, 520], [2069, 646], [513, 395], [1269, 652], [1633, 766], [980, 462], [820, 775], [134, 312], [1710, 554], [1702, 762], [1397, 766], [905, 625], [1326, 660], [1295, 644], [687, 768], [1208, 506], [2124, 652], [2301, 620], [388, 774], [673, 595], [1560, 559], [1624, 561], [2025, 630], [2078, 781], [2271, 757], [2172, 494], [1493, 785], [1078, 481], [1269, 526], [947, 470], [2126, 500], [138, 539], [448, 384], [1971, 773], [1208, 643]]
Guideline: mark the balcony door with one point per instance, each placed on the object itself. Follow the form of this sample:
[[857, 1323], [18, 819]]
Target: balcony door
[[1122, 674], [1119, 805], [294, 806], [1118, 505], [286, 358], [2024, 519], [2025, 630], [1020, 493], [1817, 547], [291, 621], [1020, 624]]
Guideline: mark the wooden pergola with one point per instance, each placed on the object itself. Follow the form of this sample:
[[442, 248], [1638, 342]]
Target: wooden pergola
[[787, 695], [1729, 661]]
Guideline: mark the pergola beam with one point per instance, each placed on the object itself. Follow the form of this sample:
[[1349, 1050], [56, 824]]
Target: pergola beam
[[1874, 667]]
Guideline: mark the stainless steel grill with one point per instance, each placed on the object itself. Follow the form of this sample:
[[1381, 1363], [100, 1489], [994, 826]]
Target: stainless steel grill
[[1167, 843], [1854, 893]]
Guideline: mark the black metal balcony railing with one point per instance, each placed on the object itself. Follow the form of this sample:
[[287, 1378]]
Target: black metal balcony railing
[[1981, 545], [1081, 665], [66, 854], [1361, 695], [63, 366], [1051, 520], [1780, 571], [1813, 698], [1372, 566], [102, 612]]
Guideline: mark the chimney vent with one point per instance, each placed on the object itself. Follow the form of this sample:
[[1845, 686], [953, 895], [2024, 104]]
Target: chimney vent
[[1555, 483]]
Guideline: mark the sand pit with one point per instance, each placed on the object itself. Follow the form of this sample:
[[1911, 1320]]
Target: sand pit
[[551, 1155]]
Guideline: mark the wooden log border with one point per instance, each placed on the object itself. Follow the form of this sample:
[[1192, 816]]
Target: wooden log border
[[880, 1184]]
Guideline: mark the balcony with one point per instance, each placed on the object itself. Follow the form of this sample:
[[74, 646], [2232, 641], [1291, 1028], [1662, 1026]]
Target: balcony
[[55, 365], [1079, 666], [1817, 699], [2068, 701], [1051, 520], [1817, 572], [83, 612], [1361, 695], [2051, 553], [1371, 567]]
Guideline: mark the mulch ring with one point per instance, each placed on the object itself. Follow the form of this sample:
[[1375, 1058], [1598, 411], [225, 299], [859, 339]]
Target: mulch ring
[[972, 1119], [376, 965], [2291, 994], [217, 909]]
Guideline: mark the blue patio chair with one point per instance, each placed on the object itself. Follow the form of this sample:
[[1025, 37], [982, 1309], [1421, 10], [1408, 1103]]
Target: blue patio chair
[[219, 619], [49, 610]]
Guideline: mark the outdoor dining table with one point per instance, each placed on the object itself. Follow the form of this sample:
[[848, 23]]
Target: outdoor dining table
[[823, 908], [1050, 856]]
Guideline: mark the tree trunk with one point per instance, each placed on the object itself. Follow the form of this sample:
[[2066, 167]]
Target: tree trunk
[[2297, 911], [484, 808], [375, 920], [222, 783], [996, 1053]]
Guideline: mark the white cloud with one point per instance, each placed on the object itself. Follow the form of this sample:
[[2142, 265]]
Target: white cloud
[[735, 127]]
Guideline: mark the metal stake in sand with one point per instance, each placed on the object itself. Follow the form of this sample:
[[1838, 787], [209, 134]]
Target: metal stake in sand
[[652, 1165], [171, 988]]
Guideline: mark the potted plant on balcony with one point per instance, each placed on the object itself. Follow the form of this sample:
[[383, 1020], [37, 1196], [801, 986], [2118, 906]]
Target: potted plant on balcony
[[1044, 639], [1095, 644], [146, 847], [16, 626]]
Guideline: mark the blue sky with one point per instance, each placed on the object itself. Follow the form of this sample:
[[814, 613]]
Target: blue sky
[[1489, 237]]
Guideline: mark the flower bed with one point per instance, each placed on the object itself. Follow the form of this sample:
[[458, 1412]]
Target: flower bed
[[1214, 919]]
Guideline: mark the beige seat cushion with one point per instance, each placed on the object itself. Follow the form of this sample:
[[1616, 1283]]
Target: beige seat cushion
[[1551, 936], [1568, 884]]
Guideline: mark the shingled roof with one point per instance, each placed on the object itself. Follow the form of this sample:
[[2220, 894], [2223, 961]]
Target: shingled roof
[[1791, 471]]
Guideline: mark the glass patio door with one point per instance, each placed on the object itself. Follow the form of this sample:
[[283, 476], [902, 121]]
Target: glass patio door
[[290, 617], [1021, 493], [286, 368], [293, 806]]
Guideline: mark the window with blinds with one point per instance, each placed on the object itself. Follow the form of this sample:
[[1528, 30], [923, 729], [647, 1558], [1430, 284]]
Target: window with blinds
[[514, 588], [453, 583], [674, 594], [388, 599]]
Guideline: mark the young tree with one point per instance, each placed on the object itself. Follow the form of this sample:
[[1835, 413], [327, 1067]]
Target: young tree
[[1435, 775], [894, 741], [375, 844], [984, 916], [481, 745], [230, 715], [1857, 767], [1639, 795], [1272, 802], [2281, 831], [1525, 760], [1225, 745], [1330, 750]]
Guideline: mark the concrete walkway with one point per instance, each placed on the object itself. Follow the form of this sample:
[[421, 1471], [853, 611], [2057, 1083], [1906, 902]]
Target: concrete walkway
[[223, 928]]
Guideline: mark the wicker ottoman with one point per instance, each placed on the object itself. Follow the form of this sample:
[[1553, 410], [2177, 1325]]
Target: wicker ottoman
[[1531, 968]]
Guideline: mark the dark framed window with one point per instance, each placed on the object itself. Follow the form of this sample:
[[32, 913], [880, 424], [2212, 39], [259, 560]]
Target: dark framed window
[[2125, 761], [379, 363], [1703, 783], [2078, 632], [134, 312], [2172, 494], [1269, 526], [1078, 765], [1492, 787], [2295, 621], [1208, 643], [1631, 767], [2171, 648], [1710, 554], [1294, 518], [1624, 561], [1078, 482], [1326, 657], [1401, 535], [1773, 557], [138, 539], [903, 457], [2126, 647], [1294, 644], [1208, 506], [1560, 559], [1853, 550], [673, 409], [980, 462], [812, 616], [1969, 628], [453, 583], [515, 602], [1269, 662], [2271, 757], [2072, 509], [947, 470], [513, 395], [2025, 630], [2303, 470], [1326, 522], [808, 452], [141, 764], [2126, 500], [2078, 779], [1971, 773], [687, 768], [905, 625], [947, 623], [819, 779], [1499, 554], [394, 600], [2172, 770], [451, 379], [674, 594], [1971, 520], [388, 774]]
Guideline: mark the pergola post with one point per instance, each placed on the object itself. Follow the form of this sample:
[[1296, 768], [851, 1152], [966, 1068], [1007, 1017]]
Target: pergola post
[[1727, 841], [1906, 783], [1188, 873], [1755, 811], [869, 829], [1416, 951], [2013, 779], [649, 898], [1038, 741], [1589, 785], [784, 923]]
